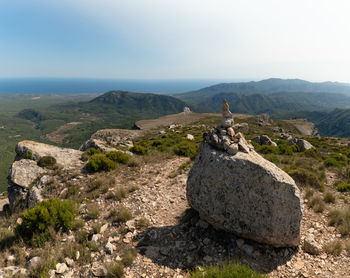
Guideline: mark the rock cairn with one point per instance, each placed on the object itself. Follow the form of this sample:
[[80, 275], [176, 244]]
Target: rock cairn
[[227, 136], [235, 189]]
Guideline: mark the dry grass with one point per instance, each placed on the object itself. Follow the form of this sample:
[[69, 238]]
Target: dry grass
[[333, 247]]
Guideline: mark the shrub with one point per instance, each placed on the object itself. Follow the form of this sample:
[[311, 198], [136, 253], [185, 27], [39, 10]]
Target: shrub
[[273, 158], [285, 149], [343, 187], [142, 223], [333, 247], [186, 148], [308, 193], [47, 161], [305, 177], [128, 257], [99, 162], [89, 152], [7, 238], [115, 270], [120, 215], [93, 212], [140, 150], [341, 218], [229, 270], [266, 149], [312, 153], [329, 198], [27, 155], [52, 213], [331, 162], [317, 204], [118, 156]]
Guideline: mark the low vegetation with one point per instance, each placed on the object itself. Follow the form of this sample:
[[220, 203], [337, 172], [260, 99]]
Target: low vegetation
[[341, 219], [229, 270], [39, 222], [100, 162], [47, 162]]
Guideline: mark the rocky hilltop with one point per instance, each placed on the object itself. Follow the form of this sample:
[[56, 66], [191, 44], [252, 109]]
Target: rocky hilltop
[[148, 215]]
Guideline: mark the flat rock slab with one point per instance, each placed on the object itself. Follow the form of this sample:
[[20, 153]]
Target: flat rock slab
[[64, 156], [24, 172], [246, 195]]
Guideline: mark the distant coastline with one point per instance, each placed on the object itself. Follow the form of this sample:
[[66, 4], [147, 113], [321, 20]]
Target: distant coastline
[[88, 86]]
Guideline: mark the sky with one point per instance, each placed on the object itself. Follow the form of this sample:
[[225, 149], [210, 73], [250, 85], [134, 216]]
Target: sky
[[176, 39]]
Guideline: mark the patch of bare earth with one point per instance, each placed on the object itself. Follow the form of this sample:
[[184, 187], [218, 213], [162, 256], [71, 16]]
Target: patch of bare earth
[[180, 118], [305, 127], [57, 136]]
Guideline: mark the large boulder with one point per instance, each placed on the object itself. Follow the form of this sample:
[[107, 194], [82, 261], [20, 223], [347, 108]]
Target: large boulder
[[245, 194], [26, 179], [67, 158]]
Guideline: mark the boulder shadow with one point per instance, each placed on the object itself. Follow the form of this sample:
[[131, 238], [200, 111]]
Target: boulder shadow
[[193, 242]]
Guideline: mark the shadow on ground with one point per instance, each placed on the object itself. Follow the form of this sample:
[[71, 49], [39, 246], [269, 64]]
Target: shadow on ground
[[193, 243]]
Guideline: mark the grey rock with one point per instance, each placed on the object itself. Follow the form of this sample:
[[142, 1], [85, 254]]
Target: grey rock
[[64, 156], [243, 145], [233, 149], [25, 172], [292, 141], [310, 245], [109, 248], [246, 195], [256, 139], [190, 137], [304, 145], [61, 268], [33, 262], [98, 270], [96, 237], [33, 197], [248, 249], [240, 242], [265, 140], [242, 127], [113, 137], [227, 122]]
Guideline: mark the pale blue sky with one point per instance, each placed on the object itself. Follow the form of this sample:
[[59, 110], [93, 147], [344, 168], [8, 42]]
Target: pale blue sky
[[174, 39]]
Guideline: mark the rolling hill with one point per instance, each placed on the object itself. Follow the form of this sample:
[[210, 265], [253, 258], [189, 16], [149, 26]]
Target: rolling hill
[[115, 109]]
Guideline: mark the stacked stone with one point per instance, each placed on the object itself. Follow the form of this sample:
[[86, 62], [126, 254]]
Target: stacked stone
[[226, 137]]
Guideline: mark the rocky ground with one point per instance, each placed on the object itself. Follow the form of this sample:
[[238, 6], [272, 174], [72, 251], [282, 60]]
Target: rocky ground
[[169, 237]]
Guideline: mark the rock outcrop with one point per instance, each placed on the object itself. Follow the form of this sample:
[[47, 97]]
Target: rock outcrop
[[241, 192], [264, 140], [301, 143], [26, 179], [107, 139]]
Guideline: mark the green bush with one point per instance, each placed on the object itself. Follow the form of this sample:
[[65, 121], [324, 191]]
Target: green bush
[[312, 153], [331, 162], [306, 178], [100, 162], [53, 213], [118, 156], [27, 155], [230, 270], [285, 149], [186, 148], [89, 152], [343, 187], [47, 161], [266, 149], [140, 150]]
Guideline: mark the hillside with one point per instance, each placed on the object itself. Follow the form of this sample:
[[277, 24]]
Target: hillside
[[136, 219], [275, 104], [267, 86], [115, 109]]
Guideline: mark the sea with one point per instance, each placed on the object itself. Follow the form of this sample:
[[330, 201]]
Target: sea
[[89, 85]]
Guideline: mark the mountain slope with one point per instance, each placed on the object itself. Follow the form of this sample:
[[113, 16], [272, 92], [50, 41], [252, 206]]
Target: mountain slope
[[277, 103], [115, 109], [267, 86]]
